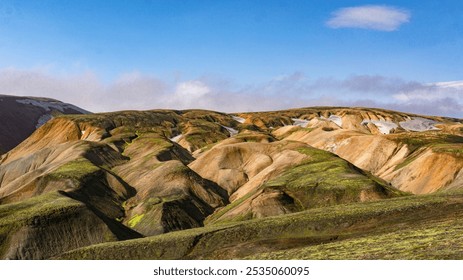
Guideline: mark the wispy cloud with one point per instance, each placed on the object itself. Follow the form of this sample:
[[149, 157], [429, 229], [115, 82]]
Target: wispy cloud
[[137, 91], [383, 18]]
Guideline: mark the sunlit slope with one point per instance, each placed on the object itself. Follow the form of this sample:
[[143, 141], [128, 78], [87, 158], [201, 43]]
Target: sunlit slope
[[149, 173]]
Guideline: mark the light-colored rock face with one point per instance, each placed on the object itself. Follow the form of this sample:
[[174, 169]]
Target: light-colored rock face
[[359, 140], [387, 158], [241, 167], [427, 172]]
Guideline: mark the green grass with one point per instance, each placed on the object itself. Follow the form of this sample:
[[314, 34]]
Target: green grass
[[76, 170], [33, 211], [452, 149], [417, 140], [441, 239], [357, 224], [200, 133], [23, 212]]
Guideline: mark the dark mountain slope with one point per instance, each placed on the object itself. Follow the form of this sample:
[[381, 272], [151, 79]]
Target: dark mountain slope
[[20, 116]]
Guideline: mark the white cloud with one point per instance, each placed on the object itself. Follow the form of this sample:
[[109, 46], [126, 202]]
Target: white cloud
[[190, 93], [191, 90], [383, 18], [137, 91], [130, 91], [431, 93]]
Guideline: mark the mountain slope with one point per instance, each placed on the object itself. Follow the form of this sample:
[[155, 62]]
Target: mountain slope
[[147, 173], [336, 232], [20, 116]]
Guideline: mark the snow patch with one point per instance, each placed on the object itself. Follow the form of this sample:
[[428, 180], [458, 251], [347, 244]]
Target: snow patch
[[300, 122], [176, 138], [238, 119], [232, 131], [42, 120], [49, 105], [332, 147], [418, 124], [334, 118], [384, 127]]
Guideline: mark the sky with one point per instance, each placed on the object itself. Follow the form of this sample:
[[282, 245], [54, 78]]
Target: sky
[[234, 55]]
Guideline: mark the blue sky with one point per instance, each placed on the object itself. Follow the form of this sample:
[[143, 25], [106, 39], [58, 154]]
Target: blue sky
[[220, 54]]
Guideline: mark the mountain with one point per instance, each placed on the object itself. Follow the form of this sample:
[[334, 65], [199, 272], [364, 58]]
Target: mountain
[[20, 116], [301, 183]]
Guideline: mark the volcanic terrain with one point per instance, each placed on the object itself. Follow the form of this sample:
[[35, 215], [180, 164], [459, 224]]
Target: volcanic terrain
[[309, 183]]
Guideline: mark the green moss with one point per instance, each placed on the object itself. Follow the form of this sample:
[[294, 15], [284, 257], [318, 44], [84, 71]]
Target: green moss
[[33, 211], [455, 150], [417, 140], [429, 240], [135, 220], [341, 224], [200, 133], [218, 214], [208, 147], [37, 206], [154, 200], [75, 170], [325, 179]]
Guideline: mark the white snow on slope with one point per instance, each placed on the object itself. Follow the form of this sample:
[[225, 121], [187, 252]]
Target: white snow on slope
[[384, 127], [49, 105], [334, 118], [176, 138], [238, 119], [300, 122], [232, 131], [43, 119], [418, 124]]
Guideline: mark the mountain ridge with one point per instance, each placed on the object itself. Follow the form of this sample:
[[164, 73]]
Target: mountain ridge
[[21, 115], [148, 173]]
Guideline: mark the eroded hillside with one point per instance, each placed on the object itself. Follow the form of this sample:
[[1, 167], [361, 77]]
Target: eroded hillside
[[136, 174]]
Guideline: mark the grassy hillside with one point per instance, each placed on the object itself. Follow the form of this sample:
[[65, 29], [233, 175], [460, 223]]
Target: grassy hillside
[[412, 227]]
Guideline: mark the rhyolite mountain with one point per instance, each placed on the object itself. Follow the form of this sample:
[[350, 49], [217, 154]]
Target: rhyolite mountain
[[321, 182], [20, 116]]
